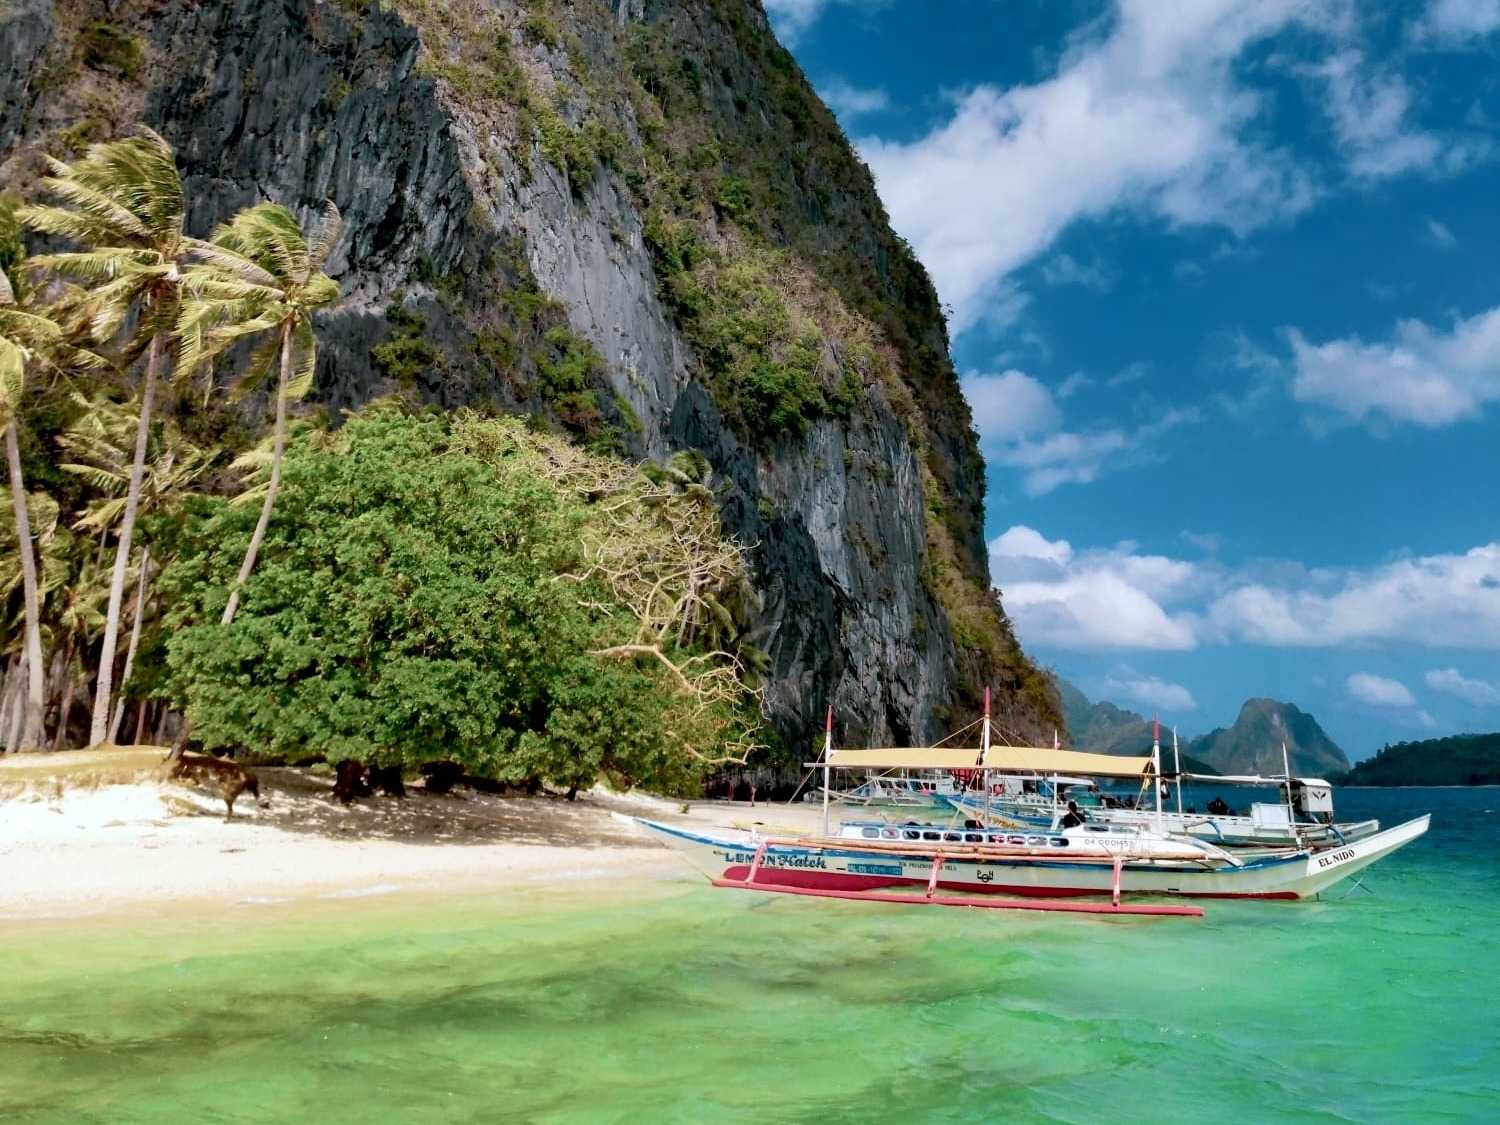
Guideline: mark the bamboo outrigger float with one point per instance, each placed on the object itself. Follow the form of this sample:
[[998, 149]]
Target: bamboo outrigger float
[[867, 860]]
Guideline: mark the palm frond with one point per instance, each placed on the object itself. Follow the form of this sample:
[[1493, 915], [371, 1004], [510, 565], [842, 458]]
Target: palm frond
[[325, 236]]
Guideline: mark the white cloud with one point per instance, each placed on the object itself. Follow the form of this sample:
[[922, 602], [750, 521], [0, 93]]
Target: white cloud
[[1009, 406], [1120, 598], [1438, 234], [1100, 599], [1452, 682], [850, 102], [1145, 116], [1151, 691], [1451, 601], [1425, 376], [791, 19], [1068, 457], [1064, 269], [1454, 21], [1368, 111], [1379, 691]]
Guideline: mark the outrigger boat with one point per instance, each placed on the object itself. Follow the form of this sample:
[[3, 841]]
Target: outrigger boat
[[865, 859]]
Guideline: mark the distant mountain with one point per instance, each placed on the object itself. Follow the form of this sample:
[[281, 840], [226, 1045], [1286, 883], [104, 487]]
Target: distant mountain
[[1103, 728], [1253, 743], [1464, 759]]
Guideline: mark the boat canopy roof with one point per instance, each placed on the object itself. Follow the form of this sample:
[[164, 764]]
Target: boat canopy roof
[[1014, 759], [1254, 779]]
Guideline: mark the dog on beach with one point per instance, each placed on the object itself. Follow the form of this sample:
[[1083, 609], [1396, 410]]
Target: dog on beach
[[231, 779]]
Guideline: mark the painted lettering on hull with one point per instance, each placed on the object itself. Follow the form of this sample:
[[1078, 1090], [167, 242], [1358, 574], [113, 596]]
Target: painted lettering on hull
[[1336, 858]]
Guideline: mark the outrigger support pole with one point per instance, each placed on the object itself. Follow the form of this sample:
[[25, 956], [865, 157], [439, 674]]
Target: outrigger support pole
[[827, 750]]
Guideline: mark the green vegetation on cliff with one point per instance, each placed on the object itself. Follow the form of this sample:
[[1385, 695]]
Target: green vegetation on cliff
[[1461, 759]]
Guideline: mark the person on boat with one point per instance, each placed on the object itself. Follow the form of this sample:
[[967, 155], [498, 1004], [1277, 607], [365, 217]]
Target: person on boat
[[1218, 807], [1073, 818]]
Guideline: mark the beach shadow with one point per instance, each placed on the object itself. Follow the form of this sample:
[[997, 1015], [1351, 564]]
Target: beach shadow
[[302, 802]]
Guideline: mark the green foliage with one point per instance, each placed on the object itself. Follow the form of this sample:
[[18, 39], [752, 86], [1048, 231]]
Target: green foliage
[[112, 49], [576, 151], [1462, 759], [407, 608], [539, 28], [406, 354]]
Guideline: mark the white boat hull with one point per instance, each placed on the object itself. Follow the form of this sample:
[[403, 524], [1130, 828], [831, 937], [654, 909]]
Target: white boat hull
[[841, 865]]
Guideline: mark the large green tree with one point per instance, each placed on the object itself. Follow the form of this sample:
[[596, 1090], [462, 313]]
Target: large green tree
[[424, 596]]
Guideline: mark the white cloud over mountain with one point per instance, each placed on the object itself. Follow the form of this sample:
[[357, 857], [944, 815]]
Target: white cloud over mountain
[[1159, 694], [1118, 598], [1099, 599], [1378, 691], [1450, 681]]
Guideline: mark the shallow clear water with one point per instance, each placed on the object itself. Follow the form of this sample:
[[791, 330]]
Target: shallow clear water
[[691, 1004]]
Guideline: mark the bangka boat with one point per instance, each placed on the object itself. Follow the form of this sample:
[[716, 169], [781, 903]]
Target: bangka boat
[[865, 858], [1077, 862]]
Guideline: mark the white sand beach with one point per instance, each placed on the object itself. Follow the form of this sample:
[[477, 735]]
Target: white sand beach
[[89, 832]]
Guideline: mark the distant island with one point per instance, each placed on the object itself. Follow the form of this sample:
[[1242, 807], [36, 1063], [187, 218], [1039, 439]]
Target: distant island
[[1460, 759], [1251, 745]]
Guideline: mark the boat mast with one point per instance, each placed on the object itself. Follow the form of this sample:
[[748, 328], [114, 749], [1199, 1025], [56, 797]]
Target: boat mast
[[1156, 766], [984, 753], [1177, 765], [1286, 768], [827, 750]]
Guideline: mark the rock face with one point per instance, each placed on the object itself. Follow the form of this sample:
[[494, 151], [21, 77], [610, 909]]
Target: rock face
[[1253, 743], [506, 170]]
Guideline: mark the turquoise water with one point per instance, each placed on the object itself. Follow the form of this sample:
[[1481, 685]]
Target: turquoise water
[[692, 1005]]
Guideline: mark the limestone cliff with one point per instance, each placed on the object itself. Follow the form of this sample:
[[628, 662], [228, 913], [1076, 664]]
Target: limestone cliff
[[633, 220]]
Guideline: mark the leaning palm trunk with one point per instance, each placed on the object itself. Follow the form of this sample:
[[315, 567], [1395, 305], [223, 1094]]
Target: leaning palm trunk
[[16, 706], [102, 692], [36, 699], [135, 640], [265, 509]]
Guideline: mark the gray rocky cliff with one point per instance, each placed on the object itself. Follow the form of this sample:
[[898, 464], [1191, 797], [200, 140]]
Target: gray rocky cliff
[[452, 209]]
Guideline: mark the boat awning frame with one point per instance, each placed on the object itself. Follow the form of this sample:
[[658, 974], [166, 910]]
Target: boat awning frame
[[1253, 779], [1006, 759]]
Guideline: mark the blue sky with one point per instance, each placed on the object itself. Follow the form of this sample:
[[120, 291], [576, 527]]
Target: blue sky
[[1223, 284]]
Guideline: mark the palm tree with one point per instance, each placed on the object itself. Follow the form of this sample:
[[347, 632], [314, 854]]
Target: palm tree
[[98, 444], [264, 274], [124, 203], [28, 335]]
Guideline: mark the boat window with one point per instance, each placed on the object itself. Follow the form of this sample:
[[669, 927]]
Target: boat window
[[890, 833], [911, 835], [1096, 827], [973, 838], [872, 833], [1015, 840], [932, 835], [1034, 841], [955, 837], [1059, 842]]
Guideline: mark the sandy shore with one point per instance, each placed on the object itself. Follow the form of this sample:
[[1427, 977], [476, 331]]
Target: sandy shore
[[90, 832]]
